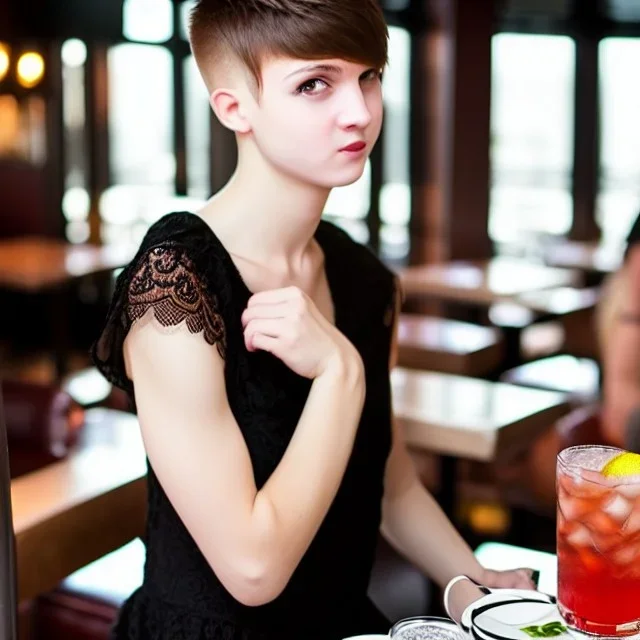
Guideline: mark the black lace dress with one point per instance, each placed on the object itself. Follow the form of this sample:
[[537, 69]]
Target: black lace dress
[[185, 274]]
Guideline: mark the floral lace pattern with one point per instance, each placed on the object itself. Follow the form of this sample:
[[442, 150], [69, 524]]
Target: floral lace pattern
[[166, 282]]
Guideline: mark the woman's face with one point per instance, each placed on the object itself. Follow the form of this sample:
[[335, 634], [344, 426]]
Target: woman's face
[[317, 121]]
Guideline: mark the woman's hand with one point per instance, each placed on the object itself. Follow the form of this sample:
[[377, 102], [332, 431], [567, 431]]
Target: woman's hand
[[287, 323], [513, 579], [465, 592]]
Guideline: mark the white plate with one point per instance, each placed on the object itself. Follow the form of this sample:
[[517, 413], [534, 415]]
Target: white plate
[[507, 621], [498, 595]]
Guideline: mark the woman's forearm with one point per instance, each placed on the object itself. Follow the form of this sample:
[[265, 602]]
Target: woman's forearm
[[294, 501], [415, 525]]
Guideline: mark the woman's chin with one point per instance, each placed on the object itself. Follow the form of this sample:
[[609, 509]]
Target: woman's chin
[[346, 178]]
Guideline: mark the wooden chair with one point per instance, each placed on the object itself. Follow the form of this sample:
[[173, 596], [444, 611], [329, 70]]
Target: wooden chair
[[43, 422], [85, 605]]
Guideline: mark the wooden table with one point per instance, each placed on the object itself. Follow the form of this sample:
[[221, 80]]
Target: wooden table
[[34, 265], [490, 284], [558, 302], [484, 282], [459, 417], [440, 344], [595, 259], [73, 512]]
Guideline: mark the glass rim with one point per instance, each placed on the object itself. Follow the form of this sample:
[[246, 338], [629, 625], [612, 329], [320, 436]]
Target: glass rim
[[566, 465], [436, 620]]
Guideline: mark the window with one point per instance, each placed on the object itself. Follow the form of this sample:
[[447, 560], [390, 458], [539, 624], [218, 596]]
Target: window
[[395, 195], [148, 20], [532, 126], [618, 201], [142, 160]]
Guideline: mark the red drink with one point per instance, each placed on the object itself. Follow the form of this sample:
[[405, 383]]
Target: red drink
[[598, 544]]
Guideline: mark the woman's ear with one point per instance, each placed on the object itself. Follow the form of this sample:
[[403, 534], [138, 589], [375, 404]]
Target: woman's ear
[[227, 106]]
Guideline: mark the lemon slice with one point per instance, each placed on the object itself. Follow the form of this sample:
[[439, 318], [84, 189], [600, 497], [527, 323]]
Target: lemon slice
[[624, 464]]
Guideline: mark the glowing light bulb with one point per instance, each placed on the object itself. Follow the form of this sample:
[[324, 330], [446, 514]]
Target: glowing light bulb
[[30, 69]]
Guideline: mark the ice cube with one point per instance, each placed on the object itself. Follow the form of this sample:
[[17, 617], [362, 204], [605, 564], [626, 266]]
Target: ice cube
[[602, 523], [584, 486], [574, 508], [580, 537], [605, 542], [627, 554], [618, 507], [632, 525], [629, 490]]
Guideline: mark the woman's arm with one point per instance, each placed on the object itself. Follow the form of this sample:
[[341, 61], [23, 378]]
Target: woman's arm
[[415, 525], [252, 539]]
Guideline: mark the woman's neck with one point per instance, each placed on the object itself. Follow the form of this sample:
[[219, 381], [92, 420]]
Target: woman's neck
[[266, 216]]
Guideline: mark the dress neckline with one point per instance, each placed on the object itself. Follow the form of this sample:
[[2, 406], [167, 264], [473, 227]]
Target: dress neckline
[[330, 264]]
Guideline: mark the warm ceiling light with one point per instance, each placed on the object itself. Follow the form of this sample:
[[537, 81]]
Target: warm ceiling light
[[4, 61], [30, 69]]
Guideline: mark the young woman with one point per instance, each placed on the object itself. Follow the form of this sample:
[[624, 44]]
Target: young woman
[[256, 341]]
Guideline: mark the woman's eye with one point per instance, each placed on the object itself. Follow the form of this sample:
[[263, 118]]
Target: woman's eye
[[312, 86], [372, 74]]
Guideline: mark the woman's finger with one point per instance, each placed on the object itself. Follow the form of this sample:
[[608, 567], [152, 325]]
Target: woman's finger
[[277, 310], [261, 342], [268, 326]]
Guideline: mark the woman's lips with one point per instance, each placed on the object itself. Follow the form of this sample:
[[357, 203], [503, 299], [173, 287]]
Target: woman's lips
[[355, 147]]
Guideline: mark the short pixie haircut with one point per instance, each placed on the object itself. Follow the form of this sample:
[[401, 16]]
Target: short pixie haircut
[[252, 30]]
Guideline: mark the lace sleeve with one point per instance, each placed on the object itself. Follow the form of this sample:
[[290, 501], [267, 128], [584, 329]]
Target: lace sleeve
[[164, 287]]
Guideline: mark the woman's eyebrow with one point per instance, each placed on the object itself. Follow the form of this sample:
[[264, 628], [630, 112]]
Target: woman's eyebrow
[[328, 68]]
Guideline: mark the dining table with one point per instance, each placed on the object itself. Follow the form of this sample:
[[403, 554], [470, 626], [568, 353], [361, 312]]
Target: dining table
[[33, 265], [464, 418]]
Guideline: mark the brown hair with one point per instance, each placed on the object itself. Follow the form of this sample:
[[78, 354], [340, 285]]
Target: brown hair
[[250, 30]]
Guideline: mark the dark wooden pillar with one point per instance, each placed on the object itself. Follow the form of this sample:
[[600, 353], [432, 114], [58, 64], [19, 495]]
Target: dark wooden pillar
[[179, 53], [424, 141], [451, 209], [97, 110], [468, 128], [587, 125]]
